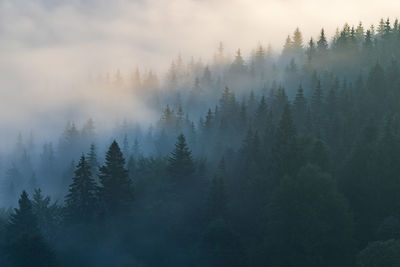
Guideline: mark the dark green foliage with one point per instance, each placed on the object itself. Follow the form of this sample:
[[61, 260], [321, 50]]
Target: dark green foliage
[[389, 229], [220, 246], [285, 150], [216, 202], [25, 246], [309, 223], [380, 253], [92, 159], [180, 163], [49, 215], [116, 190], [81, 201], [30, 250], [23, 219], [300, 111]]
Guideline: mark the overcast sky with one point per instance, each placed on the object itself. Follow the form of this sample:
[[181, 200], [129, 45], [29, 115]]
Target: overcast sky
[[46, 46]]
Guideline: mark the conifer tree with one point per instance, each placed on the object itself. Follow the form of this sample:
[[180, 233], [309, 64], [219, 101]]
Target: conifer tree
[[92, 159], [300, 110], [297, 41], [238, 66], [216, 204], [180, 163], [285, 154], [81, 200], [116, 189], [25, 246], [311, 49], [261, 114], [317, 109], [23, 219]]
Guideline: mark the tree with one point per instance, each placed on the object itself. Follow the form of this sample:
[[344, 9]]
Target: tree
[[92, 159], [216, 202], [380, 253], [317, 109], [311, 49], [285, 154], [297, 41], [23, 220], [48, 215], [261, 114], [322, 44], [300, 110], [238, 66], [116, 189], [26, 247], [180, 163], [81, 200], [309, 223], [30, 250], [125, 146], [220, 246]]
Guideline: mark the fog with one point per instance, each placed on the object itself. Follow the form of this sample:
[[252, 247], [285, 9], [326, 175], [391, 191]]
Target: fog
[[199, 133], [48, 49]]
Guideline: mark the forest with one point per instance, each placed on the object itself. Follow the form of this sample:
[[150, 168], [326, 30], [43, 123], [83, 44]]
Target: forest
[[284, 158]]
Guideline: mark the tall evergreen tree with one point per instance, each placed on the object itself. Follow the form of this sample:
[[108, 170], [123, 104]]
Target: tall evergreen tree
[[300, 110], [92, 159], [322, 43], [81, 200], [285, 154], [116, 189], [180, 163], [23, 219]]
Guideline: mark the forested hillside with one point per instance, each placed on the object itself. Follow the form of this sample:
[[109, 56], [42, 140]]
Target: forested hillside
[[288, 159]]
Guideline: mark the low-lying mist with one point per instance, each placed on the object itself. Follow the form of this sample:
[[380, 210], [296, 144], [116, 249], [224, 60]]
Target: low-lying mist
[[49, 49]]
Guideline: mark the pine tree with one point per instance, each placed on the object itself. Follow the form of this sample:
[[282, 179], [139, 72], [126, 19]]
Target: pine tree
[[261, 114], [288, 46], [360, 32], [238, 66], [23, 219], [297, 41], [316, 109], [311, 49], [300, 110], [116, 190], [25, 245], [92, 159], [180, 163], [285, 154], [216, 203], [136, 150], [309, 222], [88, 130], [49, 215], [81, 200], [125, 146], [207, 78]]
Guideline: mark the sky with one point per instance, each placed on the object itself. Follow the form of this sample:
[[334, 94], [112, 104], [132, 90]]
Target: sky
[[47, 47]]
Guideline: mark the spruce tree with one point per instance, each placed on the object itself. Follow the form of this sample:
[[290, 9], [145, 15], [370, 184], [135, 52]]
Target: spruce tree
[[285, 154], [23, 219], [180, 163], [261, 114], [216, 202], [25, 245], [116, 189], [300, 110], [81, 199], [92, 159]]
